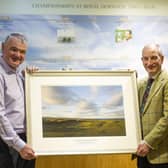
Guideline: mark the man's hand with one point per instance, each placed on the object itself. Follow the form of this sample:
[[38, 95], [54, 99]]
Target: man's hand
[[27, 153], [143, 149], [32, 69]]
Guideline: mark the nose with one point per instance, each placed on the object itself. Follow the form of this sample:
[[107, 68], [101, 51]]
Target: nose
[[18, 53]]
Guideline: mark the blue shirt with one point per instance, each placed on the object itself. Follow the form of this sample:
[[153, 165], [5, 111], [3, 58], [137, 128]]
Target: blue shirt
[[12, 107]]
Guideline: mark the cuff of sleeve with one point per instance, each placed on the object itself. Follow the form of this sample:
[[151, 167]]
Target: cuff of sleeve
[[18, 144], [143, 141]]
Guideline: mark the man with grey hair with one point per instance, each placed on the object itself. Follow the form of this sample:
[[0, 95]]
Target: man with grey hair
[[153, 101], [14, 151]]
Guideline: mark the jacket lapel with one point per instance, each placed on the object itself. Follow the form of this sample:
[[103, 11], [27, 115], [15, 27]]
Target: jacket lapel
[[154, 89]]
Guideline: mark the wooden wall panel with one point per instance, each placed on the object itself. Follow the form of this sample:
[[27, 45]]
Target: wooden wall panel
[[86, 161]]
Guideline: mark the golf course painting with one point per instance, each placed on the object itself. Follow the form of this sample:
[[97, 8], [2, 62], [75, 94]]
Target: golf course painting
[[82, 111]]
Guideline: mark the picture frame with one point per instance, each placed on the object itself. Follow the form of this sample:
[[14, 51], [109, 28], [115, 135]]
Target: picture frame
[[82, 112]]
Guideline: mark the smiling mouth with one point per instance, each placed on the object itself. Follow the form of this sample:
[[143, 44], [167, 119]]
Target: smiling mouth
[[15, 59], [151, 67]]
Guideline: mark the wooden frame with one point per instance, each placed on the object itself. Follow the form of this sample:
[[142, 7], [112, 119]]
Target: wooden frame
[[82, 112]]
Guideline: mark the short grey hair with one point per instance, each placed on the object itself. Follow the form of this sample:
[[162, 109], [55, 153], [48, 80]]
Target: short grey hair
[[155, 47], [19, 36]]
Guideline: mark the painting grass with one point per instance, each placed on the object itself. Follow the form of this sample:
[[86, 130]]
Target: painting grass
[[72, 127]]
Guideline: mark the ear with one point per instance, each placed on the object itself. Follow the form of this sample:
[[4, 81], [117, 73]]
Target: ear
[[162, 58]]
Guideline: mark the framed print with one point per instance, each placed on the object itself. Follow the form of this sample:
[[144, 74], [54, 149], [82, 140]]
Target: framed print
[[82, 112]]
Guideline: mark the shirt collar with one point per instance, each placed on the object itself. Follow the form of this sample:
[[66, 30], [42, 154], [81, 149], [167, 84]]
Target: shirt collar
[[156, 75]]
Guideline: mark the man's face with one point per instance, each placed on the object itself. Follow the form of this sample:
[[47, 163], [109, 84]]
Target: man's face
[[152, 61], [14, 51]]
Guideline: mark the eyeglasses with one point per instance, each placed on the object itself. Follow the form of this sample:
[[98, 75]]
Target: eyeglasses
[[17, 35]]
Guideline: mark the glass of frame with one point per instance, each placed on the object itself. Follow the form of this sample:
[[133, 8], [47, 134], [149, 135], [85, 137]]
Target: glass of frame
[[82, 112]]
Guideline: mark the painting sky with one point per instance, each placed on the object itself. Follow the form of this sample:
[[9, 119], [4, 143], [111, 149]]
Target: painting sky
[[82, 101]]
